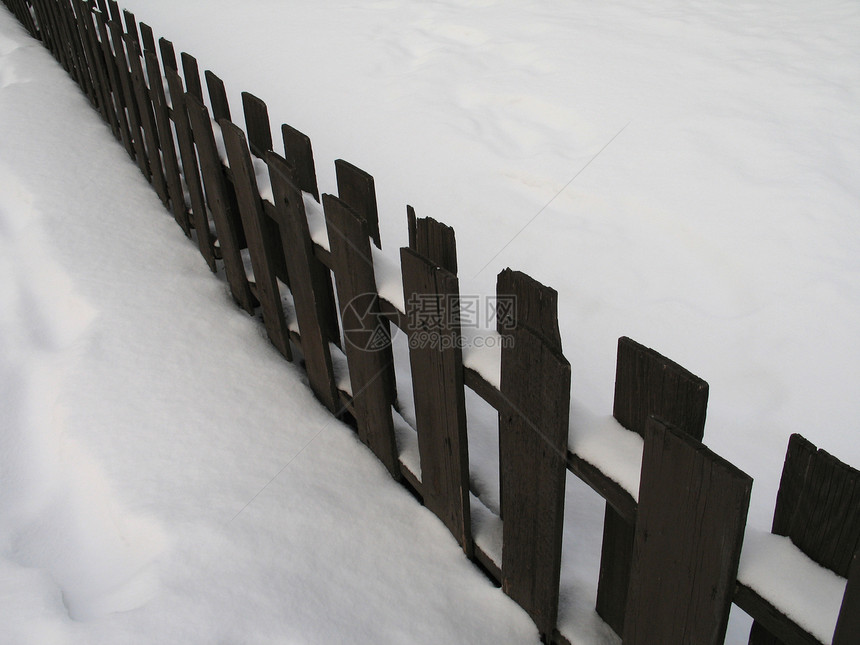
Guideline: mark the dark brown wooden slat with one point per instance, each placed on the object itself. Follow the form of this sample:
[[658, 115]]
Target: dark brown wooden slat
[[147, 38], [190, 169], [95, 62], [616, 496], [299, 154], [129, 98], [433, 240], [261, 234], [115, 82], [692, 514], [131, 26], [826, 525], [436, 359], [647, 383], [147, 119], [307, 281], [228, 226], [797, 459], [357, 189], [115, 14], [523, 300], [217, 97], [371, 363], [848, 625], [192, 76], [257, 125], [166, 143], [168, 54], [535, 379]]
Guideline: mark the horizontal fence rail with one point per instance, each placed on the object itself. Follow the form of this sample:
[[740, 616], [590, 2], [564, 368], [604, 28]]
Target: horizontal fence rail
[[310, 265]]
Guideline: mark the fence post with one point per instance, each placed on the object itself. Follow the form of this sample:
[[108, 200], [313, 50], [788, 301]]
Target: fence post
[[535, 382], [260, 235], [646, 383], [367, 335], [432, 294], [692, 513], [310, 281], [228, 227]]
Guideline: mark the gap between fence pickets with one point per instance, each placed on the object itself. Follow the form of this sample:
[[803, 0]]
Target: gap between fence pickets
[[601, 442]]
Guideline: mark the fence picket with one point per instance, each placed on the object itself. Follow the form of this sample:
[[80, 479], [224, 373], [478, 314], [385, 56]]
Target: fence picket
[[299, 154], [260, 235]]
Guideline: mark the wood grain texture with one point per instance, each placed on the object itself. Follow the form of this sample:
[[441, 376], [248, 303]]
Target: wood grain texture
[[300, 155], [436, 360], [371, 367], [308, 277], [356, 188], [692, 514], [522, 300], [261, 234], [228, 226], [535, 379], [433, 240]]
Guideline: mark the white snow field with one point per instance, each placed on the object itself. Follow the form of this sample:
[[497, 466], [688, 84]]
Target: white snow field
[[682, 173]]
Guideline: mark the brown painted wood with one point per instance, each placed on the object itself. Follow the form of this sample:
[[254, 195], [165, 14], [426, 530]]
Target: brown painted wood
[[357, 189], [647, 383], [848, 626], [115, 82], [299, 154], [433, 240], [523, 300], [147, 38], [307, 278], [261, 234], [191, 72], [168, 54], [147, 119], [166, 142], [129, 98], [228, 226], [370, 362], [692, 514], [535, 378], [217, 97], [191, 169], [257, 125], [436, 359], [95, 62]]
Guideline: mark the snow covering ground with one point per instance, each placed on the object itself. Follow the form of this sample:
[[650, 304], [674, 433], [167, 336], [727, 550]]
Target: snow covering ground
[[682, 173]]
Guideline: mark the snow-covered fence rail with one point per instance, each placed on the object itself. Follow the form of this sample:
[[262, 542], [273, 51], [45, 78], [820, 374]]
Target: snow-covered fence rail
[[673, 530]]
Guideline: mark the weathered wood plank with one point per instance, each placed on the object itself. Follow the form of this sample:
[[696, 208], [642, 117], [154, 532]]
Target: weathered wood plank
[[646, 383], [257, 125], [191, 72], [771, 627], [228, 226], [147, 38], [260, 235], [147, 119], [191, 169], [535, 379], [432, 240], [357, 189], [129, 98], [115, 82], [848, 625], [166, 142], [436, 359], [692, 514], [217, 97], [299, 154], [308, 277], [366, 331], [523, 300]]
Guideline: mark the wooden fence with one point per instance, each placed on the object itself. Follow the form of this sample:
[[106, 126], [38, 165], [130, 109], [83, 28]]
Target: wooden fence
[[671, 549]]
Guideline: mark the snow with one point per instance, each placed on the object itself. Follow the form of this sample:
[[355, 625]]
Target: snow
[[788, 578], [681, 173]]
